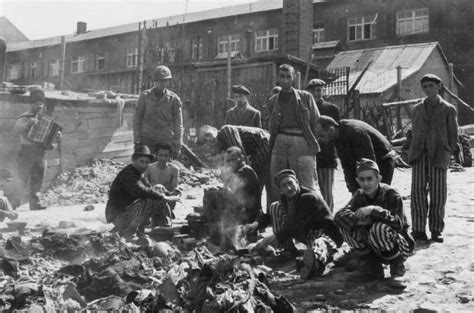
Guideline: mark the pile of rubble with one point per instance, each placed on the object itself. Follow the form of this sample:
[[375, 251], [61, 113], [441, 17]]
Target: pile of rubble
[[122, 276], [90, 184]]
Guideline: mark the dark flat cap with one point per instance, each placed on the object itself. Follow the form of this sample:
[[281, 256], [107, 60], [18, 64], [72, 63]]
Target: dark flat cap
[[282, 174], [143, 151], [431, 78], [240, 89], [367, 164], [36, 95], [316, 83]]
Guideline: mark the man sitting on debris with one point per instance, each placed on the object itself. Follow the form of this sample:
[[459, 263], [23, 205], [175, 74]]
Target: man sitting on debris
[[374, 224], [301, 214], [163, 175], [133, 201], [6, 210], [237, 203], [254, 142]]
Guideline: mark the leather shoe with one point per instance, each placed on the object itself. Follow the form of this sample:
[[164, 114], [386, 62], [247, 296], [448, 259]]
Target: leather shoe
[[419, 236], [436, 236]]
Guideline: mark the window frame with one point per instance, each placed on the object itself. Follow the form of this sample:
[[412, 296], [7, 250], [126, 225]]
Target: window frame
[[264, 39], [402, 17], [81, 61], [132, 57], [222, 43], [14, 68], [196, 49], [100, 57], [359, 24], [318, 28], [53, 67]]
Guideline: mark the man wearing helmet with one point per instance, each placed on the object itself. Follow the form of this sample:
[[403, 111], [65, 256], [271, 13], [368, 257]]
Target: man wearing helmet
[[158, 117]]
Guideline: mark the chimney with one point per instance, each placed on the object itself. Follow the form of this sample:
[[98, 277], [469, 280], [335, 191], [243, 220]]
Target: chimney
[[81, 28], [297, 28]]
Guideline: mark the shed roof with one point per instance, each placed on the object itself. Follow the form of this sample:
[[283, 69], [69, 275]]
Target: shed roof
[[382, 72], [9, 31]]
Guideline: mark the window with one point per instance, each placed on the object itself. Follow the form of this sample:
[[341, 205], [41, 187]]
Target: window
[[266, 40], [33, 71], [53, 68], [413, 22], [100, 62], [14, 71], [132, 57], [222, 44], [361, 28], [318, 32], [77, 64], [196, 49]]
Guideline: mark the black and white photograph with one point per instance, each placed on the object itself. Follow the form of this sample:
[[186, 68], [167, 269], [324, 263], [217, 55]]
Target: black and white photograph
[[236, 156]]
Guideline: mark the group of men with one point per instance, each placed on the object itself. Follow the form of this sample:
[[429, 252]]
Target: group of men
[[295, 161]]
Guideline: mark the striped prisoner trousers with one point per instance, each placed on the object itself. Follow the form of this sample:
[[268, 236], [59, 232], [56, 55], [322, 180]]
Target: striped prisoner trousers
[[323, 246], [139, 213], [380, 238], [326, 183], [427, 179]]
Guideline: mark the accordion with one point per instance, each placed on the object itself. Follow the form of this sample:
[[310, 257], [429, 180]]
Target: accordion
[[44, 133]]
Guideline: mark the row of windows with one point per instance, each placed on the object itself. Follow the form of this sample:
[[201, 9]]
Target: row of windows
[[363, 28]]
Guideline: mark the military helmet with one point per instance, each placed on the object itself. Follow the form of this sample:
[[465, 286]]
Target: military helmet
[[161, 72]]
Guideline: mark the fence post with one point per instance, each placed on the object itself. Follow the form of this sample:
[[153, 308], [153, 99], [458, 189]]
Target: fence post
[[399, 97], [356, 102]]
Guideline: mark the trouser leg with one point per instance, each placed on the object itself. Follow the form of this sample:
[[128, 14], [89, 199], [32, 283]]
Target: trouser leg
[[322, 245], [25, 163], [326, 183], [303, 162], [387, 167], [438, 195], [136, 214], [278, 215], [36, 181], [279, 160], [162, 214], [387, 243], [357, 238], [419, 194]]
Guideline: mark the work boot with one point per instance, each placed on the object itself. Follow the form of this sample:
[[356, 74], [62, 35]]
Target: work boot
[[370, 269], [311, 266], [436, 236], [419, 236], [397, 271]]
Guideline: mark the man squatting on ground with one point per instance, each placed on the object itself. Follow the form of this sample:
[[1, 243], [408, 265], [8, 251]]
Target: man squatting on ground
[[374, 224], [293, 142], [303, 215], [434, 138], [133, 201], [158, 117], [6, 210], [355, 140], [237, 203], [253, 142], [326, 158], [163, 176], [242, 114], [31, 160]]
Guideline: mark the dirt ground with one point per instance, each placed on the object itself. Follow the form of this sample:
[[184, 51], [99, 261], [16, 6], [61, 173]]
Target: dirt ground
[[439, 276]]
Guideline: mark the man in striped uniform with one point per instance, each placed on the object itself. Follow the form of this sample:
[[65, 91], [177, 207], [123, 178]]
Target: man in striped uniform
[[133, 201], [374, 224], [326, 158], [434, 138], [254, 143], [301, 214]]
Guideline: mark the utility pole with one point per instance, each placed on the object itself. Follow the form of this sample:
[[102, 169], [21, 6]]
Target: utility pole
[[229, 67], [399, 97], [62, 61]]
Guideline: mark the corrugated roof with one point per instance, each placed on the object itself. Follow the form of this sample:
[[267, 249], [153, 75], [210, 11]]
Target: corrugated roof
[[326, 44], [382, 73], [253, 7]]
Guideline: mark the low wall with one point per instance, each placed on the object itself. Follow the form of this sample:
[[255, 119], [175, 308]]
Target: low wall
[[91, 129]]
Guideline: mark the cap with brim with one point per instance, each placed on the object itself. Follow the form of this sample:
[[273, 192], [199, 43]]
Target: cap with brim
[[143, 151], [431, 78], [36, 95], [283, 174], [315, 83], [365, 165], [240, 89]]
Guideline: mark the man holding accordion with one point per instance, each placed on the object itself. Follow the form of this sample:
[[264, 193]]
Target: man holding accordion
[[32, 156]]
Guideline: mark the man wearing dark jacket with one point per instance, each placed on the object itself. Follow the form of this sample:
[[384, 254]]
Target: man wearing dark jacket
[[301, 214], [326, 158], [374, 224], [293, 142], [434, 138], [133, 201], [355, 140]]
